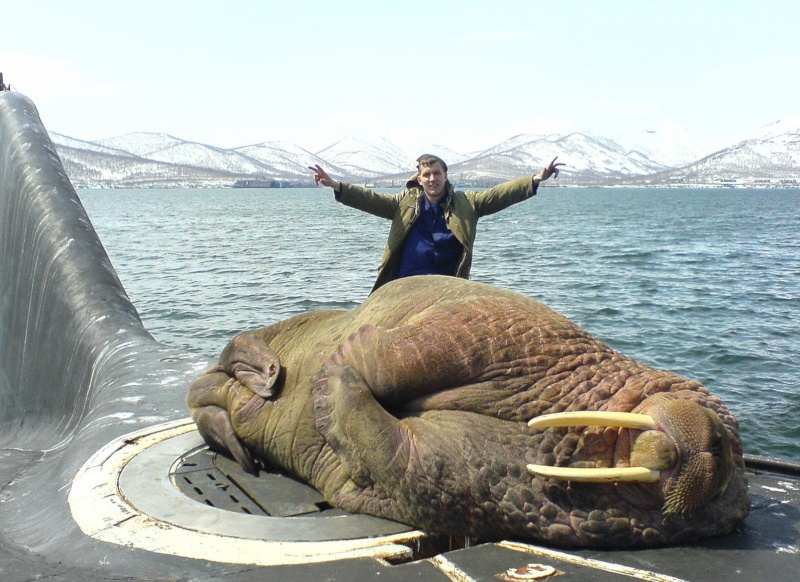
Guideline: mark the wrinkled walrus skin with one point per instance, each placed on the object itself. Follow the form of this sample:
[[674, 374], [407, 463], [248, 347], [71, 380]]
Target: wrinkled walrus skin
[[415, 407]]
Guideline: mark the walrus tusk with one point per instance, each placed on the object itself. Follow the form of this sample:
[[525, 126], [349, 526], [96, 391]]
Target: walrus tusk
[[595, 418], [612, 475]]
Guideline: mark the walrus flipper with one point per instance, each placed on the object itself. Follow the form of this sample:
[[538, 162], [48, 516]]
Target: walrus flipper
[[421, 469], [208, 402], [214, 424], [347, 414]]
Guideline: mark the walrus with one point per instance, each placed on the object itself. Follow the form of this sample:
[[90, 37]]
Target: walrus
[[466, 409]]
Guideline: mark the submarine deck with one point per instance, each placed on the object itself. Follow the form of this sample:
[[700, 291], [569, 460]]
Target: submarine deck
[[767, 546]]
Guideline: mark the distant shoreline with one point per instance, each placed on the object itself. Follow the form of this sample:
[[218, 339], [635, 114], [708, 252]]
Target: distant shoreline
[[461, 187]]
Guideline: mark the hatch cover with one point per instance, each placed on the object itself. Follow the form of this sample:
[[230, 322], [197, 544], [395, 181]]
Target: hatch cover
[[218, 481], [162, 490]]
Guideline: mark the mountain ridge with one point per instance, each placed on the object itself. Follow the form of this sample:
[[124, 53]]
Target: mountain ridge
[[767, 157]]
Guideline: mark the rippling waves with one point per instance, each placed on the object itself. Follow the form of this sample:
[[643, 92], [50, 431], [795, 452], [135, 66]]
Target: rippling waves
[[705, 283]]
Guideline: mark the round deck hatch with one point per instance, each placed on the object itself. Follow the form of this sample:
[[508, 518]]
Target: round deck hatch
[[162, 490]]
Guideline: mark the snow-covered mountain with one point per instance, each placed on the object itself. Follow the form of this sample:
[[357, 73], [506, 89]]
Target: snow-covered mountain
[[287, 158], [589, 159], [778, 142], [367, 158], [672, 146], [141, 143], [769, 156]]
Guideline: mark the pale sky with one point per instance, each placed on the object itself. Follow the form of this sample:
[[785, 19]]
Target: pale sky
[[464, 74]]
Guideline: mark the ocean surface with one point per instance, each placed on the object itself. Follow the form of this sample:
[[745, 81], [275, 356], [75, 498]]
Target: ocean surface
[[705, 283]]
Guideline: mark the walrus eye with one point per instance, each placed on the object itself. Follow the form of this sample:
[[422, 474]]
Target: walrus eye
[[596, 418]]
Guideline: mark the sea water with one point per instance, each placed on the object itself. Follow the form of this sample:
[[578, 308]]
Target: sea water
[[704, 283]]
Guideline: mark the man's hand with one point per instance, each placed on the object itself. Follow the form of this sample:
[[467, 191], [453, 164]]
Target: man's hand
[[550, 170], [322, 177]]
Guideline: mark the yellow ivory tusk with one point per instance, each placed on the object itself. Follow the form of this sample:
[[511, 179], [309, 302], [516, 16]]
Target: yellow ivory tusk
[[595, 418], [638, 474]]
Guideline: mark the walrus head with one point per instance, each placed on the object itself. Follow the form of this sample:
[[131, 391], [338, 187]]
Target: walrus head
[[679, 445]]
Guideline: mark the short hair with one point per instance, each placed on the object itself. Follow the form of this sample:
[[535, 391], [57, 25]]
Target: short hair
[[428, 160]]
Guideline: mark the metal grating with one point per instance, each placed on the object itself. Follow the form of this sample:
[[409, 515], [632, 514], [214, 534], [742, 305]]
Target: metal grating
[[217, 481]]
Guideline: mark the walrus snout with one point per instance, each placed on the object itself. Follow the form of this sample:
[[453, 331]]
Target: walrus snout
[[705, 463]]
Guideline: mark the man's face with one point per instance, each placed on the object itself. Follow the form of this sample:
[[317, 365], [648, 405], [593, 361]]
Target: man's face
[[432, 179]]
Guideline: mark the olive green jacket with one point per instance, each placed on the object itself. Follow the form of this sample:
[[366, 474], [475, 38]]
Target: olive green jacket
[[461, 210]]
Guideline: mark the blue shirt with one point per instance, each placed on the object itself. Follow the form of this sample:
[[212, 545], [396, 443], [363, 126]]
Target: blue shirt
[[430, 248]]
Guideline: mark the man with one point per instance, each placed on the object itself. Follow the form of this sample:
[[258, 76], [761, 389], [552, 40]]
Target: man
[[433, 225]]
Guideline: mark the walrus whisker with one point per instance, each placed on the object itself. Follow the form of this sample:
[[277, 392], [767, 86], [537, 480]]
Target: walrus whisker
[[595, 418], [607, 475]]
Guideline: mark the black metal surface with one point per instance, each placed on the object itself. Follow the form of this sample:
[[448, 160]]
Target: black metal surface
[[220, 482], [199, 478], [771, 464]]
